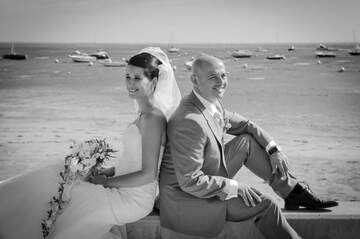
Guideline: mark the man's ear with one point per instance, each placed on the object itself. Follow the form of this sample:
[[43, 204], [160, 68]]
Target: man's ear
[[194, 79]]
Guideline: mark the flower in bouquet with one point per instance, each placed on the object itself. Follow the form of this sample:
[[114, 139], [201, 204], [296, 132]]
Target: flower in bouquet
[[84, 160], [227, 124]]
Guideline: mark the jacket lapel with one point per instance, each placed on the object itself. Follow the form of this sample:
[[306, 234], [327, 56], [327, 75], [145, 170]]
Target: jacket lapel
[[214, 126]]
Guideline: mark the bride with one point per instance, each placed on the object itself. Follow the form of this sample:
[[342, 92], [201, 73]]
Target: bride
[[97, 205]]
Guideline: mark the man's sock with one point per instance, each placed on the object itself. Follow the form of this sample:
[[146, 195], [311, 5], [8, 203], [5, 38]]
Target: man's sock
[[297, 189]]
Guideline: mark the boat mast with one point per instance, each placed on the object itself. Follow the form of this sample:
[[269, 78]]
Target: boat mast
[[12, 48], [355, 40], [170, 45]]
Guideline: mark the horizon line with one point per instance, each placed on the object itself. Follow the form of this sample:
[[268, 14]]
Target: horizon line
[[180, 43]]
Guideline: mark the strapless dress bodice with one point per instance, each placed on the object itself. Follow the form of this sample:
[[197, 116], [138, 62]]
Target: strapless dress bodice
[[131, 157]]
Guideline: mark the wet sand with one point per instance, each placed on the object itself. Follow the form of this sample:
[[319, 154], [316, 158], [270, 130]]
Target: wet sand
[[311, 110]]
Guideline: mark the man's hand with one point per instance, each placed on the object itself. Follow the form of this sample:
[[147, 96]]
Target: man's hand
[[279, 163], [249, 195]]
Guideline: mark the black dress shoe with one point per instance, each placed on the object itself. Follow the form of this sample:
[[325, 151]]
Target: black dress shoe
[[302, 196]]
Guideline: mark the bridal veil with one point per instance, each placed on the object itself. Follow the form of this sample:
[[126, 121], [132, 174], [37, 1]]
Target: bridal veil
[[167, 94]]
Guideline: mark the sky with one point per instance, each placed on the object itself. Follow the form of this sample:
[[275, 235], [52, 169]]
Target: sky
[[180, 21]]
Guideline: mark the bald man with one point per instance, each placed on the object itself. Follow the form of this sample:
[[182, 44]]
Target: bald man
[[197, 192]]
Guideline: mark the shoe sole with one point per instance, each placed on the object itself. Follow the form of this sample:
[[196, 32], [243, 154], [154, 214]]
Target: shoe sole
[[296, 207]]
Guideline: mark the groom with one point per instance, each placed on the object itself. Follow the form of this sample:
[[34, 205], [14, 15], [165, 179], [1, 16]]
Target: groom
[[197, 192]]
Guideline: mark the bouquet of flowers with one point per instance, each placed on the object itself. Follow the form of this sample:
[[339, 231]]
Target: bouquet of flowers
[[84, 160]]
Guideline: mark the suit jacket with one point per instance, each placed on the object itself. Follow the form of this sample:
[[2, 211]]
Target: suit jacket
[[193, 172]]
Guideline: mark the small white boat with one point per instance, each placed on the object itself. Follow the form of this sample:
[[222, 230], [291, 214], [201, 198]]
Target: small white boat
[[115, 64], [173, 50], [82, 58], [241, 54], [77, 52], [276, 57], [325, 54], [260, 49], [189, 64], [100, 54], [111, 63]]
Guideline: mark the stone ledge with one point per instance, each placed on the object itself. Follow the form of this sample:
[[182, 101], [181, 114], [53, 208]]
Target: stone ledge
[[339, 222]]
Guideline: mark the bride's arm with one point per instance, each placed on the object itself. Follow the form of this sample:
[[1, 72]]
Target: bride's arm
[[152, 128]]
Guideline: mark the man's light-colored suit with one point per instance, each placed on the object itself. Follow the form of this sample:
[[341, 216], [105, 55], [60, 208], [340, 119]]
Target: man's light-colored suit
[[197, 167]]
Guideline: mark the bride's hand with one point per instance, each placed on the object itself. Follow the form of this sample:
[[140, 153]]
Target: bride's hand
[[98, 179], [108, 172]]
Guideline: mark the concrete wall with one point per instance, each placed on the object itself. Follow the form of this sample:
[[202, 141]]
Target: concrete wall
[[341, 222]]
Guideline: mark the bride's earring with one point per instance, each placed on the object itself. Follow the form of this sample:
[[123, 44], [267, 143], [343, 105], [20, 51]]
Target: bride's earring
[[154, 83]]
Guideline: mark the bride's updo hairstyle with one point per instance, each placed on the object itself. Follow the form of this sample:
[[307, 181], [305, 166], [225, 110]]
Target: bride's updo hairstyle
[[148, 62]]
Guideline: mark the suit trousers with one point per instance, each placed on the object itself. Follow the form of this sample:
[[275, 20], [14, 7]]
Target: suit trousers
[[244, 150]]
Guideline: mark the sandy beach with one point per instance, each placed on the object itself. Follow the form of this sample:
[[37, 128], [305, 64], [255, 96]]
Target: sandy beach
[[310, 109]]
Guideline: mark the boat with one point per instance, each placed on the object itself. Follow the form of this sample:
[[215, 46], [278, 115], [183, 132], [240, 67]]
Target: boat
[[260, 49], [79, 56], [323, 47], [355, 51], [82, 58], [77, 52], [241, 54], [13, 55], [325, 54], [276, 57], [100, 54], [189, 64], [111, 63], [291, 48], [342, 69], [173, 49]]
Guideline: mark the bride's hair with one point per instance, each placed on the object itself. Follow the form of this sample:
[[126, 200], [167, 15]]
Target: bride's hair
[[148, 62]]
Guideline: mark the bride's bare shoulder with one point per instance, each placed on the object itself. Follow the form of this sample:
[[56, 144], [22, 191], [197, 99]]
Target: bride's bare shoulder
[[154, 118]]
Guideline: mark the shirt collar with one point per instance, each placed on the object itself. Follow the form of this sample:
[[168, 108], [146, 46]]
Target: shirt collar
[[211, 107]]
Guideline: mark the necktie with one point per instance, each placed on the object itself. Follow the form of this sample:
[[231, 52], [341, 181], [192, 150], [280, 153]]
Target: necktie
[[219, 119], [219, 114]]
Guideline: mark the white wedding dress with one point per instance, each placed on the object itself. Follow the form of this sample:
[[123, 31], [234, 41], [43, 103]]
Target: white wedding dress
[[93, 209]]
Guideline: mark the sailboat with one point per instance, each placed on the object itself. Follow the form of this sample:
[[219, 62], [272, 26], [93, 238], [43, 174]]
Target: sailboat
[[291, 48], [355, 51], [171, 48], [276, 56], [13, 55]]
